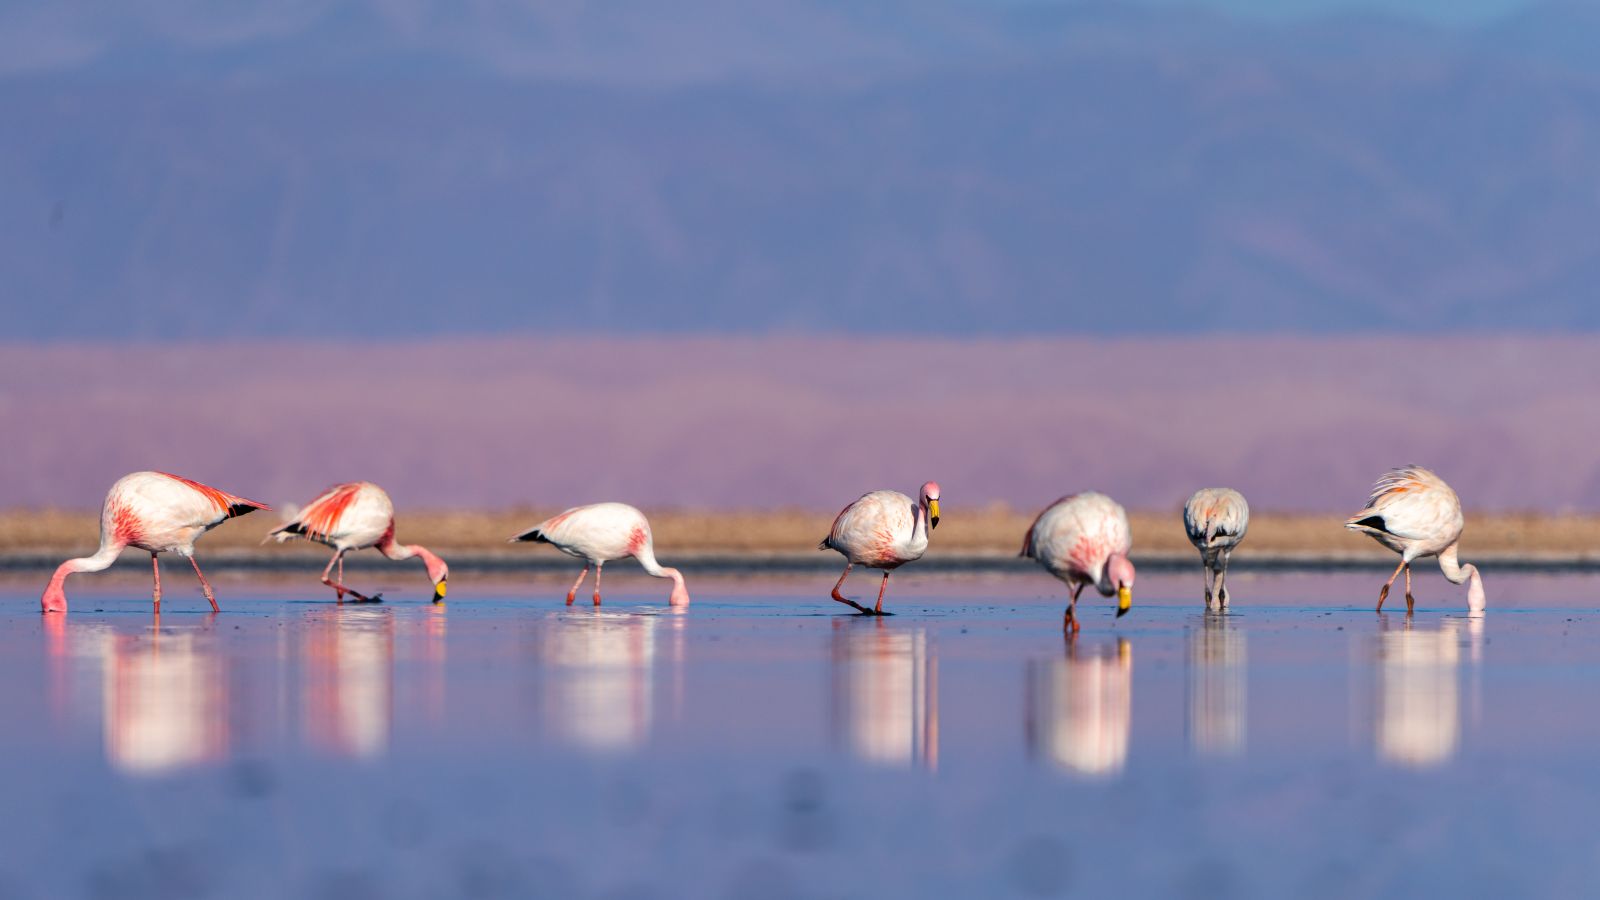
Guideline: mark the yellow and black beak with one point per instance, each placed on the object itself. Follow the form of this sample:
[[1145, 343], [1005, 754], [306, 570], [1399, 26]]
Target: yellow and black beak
[[933, 513], [439, 591], [1124, 601]]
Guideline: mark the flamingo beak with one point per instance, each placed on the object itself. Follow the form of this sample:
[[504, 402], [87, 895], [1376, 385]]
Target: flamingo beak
[[1124, 601], [439, 591], [933, 512]]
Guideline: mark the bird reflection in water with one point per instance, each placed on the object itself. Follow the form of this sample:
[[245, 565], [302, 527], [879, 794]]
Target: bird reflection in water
[[1080, 708], [885, 693], [349, 679], [163, 695], [1217, 694], [1418, 703], [600, 695]]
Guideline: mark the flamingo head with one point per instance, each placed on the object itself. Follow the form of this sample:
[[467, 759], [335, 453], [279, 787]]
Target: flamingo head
[[1119, 571], [54, 599], [930, 502], [438, 573]]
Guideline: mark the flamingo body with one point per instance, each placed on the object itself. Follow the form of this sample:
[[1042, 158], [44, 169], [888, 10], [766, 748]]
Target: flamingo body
[[602, 532], [158, 513], [354, 516], [1216, 520], [882, 530], [1084, 539], [1413, 512]]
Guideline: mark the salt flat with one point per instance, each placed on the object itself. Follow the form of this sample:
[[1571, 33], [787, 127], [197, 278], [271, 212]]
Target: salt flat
[[765, 744]]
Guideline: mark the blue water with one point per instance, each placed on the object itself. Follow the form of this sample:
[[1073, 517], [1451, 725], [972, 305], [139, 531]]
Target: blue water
[[766, 744]]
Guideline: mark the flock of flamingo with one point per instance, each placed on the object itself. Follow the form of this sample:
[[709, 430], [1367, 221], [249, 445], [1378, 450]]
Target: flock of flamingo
[[1082, 539]]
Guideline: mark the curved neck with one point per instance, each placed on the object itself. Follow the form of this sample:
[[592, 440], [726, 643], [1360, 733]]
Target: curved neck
[[646, 556], [1458, 572], [101, 560]]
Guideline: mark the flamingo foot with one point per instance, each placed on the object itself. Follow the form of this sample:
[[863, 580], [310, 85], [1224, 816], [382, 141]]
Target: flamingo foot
[[1382, 596], [865, 611], [1411, 603]]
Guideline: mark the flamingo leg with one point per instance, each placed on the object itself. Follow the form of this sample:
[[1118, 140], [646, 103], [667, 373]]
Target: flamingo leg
[[1383, 594], [597, 570], [155, 569], [340, 586], [573, 594], [846, 600], [1206, 571], [1070, 621], [1411, 602], [1222, 580], [205, 586], [882, 585]]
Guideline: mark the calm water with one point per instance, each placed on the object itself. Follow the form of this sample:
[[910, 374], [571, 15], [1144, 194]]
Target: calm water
[[765, 744]]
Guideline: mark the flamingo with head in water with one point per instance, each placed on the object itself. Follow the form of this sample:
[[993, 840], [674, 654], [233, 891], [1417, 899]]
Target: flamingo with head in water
[[602, 532], [1414, 513], [157, 512], [882, 530], [355, 516]]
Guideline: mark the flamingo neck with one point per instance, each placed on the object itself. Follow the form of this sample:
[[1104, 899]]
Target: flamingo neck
[[395, 550], [55, 594], [1458, 572], [647, 561]]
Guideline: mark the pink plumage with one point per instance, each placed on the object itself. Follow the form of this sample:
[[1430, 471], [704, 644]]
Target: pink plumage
[[157, 512], [602, 532], [882, 530], [1084, 539], [355, 516]]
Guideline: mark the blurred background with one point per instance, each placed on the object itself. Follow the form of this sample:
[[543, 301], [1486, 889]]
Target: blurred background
[[745, 255]]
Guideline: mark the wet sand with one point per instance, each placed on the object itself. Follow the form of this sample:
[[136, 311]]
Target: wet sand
[[766, 744]]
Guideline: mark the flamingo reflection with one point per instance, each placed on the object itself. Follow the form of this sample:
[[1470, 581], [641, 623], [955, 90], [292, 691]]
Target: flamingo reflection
[[1080, 709], [1217, 694], [602, 694], [885, 693], [349, 679], [1418, 716], [164, 699]]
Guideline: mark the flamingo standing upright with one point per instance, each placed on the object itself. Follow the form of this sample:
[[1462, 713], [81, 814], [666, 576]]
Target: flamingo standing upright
[[599, 533], [1216, 520], [1084, 539], [1414, 513], [157, 512], [882, 530], [355, 516]]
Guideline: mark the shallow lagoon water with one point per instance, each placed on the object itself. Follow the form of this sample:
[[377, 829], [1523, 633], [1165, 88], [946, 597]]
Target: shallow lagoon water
[[765, 743]]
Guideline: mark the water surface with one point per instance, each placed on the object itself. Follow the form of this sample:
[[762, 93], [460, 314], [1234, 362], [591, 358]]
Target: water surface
[[765, 743]]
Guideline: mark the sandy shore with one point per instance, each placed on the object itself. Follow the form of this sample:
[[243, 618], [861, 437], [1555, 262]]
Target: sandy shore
[[28, 537]]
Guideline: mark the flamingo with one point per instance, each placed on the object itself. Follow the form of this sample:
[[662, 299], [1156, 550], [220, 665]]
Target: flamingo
[[355, 516], [1216, 520], [1415, 514], [599, 533], [882, 530], [1084, 539], [157, 512]]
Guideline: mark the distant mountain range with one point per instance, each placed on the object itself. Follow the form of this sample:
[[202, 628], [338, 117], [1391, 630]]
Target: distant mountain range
[[888, 166]]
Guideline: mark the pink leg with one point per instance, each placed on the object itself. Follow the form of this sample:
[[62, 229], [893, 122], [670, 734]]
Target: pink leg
[[1411, 602], [155, 567], [846, 600], [1384, 594], [339, 586], [881, 586], [597, 570], [205, 585], [1070, 620], [573, 594]]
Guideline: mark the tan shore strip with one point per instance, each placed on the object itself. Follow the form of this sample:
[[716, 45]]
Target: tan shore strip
[[986, 538]]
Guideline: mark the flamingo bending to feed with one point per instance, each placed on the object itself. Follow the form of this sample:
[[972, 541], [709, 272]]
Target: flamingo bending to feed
[[355, 516], [599, 533], [882, 530], [1216, 520], [1415, 514], [1084, 539], [157, 512]]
